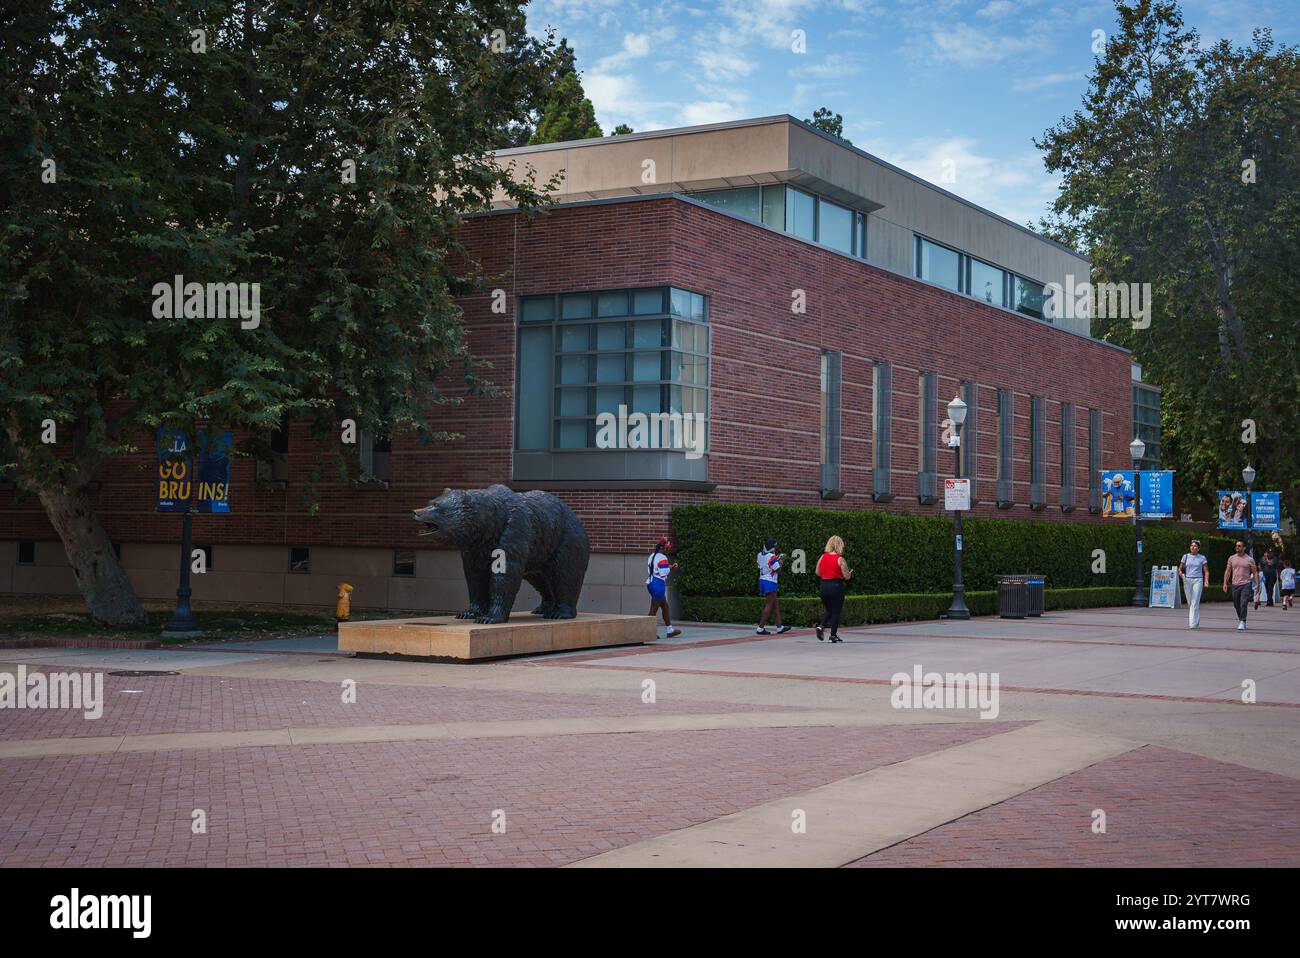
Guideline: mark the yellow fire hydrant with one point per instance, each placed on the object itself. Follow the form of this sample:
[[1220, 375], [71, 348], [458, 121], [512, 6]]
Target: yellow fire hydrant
[[343, 610]]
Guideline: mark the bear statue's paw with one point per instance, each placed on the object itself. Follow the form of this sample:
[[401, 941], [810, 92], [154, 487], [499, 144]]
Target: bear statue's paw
[[491, 618], [543, 609], [561, 612], [469, 614]]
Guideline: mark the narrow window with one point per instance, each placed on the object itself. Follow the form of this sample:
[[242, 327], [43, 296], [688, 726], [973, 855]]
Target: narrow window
[[970, 434], [927, 434], [830, 425], [299, 559], [1094, 460], [374, 451], [1006, 449], [27, 553], [274, 467], [1067, 457], [403, 562], [1037, 453], [882, 431]]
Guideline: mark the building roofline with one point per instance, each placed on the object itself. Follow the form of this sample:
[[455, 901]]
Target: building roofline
[[786, 118], [686, 198]]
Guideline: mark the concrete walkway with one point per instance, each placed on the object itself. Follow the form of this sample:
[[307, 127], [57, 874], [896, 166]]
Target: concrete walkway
[[696, 752]]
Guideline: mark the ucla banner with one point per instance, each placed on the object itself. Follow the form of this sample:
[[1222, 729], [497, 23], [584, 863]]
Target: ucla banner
[[182, 487], [1157, 499], [1265, 511], [1117, 494], [1234, 509]]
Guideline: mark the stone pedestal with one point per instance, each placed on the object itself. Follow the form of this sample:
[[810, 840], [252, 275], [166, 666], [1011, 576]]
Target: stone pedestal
[[446, 637]]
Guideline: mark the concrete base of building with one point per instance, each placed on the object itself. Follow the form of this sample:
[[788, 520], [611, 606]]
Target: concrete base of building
[[446, 637], [260, 575]]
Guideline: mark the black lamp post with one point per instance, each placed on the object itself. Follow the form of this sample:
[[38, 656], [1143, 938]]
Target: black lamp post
[[958, 610], [1248, 474], [1136, 450]]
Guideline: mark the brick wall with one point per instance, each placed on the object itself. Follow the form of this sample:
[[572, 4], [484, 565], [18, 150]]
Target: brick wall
[[765, 389]]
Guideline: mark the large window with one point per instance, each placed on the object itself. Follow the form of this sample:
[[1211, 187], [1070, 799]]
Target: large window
[[938, 264], [927, 431], [882, 430], [1037, 452], [621, 352], [832, 379], [795, 211], [1006, 449], [987, 283], [1027, 297]]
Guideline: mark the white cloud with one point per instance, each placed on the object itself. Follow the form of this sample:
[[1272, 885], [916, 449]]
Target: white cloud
[[997, 8], [835, 65], [720, 62], [968, 46], [636, 46], [1028, 84], [710, 111]]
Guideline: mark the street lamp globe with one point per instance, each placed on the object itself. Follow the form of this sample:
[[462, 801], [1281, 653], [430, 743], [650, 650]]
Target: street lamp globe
[[1248, 474], [957, 411], [1137, 449]]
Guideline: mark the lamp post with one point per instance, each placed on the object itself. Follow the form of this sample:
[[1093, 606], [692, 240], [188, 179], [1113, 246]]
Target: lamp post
[[1136, 450], [958, 610], [1248, 474]]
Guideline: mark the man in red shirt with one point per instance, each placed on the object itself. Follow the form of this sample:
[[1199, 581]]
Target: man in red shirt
[[1244, 575]]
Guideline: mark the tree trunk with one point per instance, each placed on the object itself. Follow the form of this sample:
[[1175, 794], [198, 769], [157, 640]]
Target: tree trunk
[[109, 595]]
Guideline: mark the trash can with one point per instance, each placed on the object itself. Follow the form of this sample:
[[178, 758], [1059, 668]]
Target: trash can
[[1034, 598], [1011, 596]]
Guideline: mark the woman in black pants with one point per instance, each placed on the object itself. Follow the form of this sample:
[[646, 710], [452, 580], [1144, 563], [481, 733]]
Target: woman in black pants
[[834, 573]]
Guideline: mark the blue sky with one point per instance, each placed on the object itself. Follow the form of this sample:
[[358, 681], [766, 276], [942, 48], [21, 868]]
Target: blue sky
[[919, 82]]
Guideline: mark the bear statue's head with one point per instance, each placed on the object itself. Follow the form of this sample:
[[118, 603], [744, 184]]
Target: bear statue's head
[[448, 518]]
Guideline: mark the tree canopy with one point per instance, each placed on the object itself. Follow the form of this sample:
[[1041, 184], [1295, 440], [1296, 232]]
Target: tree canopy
[[828, 121], [320, 152], [1182, 170]]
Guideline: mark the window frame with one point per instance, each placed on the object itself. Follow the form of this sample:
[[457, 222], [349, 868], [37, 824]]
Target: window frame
[[666, 351]]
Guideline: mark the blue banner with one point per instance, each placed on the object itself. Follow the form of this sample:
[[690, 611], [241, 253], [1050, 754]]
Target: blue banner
[[1117, 493], [1266, 511], [1157, 500], [1233, 509], [180, 488]]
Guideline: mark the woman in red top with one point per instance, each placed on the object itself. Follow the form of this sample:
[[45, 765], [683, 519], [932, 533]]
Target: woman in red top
[[834, 573]]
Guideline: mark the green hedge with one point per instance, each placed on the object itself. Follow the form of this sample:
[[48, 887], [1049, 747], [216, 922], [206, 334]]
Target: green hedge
[[871, 609], [894, 555]]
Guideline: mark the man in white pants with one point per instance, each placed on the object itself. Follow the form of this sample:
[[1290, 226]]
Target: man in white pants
[[1195, 570]]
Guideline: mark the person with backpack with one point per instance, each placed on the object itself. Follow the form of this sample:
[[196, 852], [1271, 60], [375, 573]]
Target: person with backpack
[[1195, 571], [834, 572], [658, 567], [769, 567]]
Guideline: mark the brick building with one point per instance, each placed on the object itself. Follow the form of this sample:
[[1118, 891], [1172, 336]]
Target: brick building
[[815, 307]]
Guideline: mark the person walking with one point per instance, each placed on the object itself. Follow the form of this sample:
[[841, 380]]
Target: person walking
[[1244, 575], [1268, 571], [1195, 570], [1287, 579], [658, 566], [769, 567], [834, 573]]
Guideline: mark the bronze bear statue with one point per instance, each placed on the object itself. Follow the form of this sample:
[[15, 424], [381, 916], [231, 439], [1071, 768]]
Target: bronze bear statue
[[506, 537]]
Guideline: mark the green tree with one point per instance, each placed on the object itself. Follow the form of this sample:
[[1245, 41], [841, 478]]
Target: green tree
[[569, 115], [1181, 170], [622, 130], [323, 151], [827, 121]]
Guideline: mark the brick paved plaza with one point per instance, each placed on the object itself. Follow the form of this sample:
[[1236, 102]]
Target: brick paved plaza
[[754, 751]]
